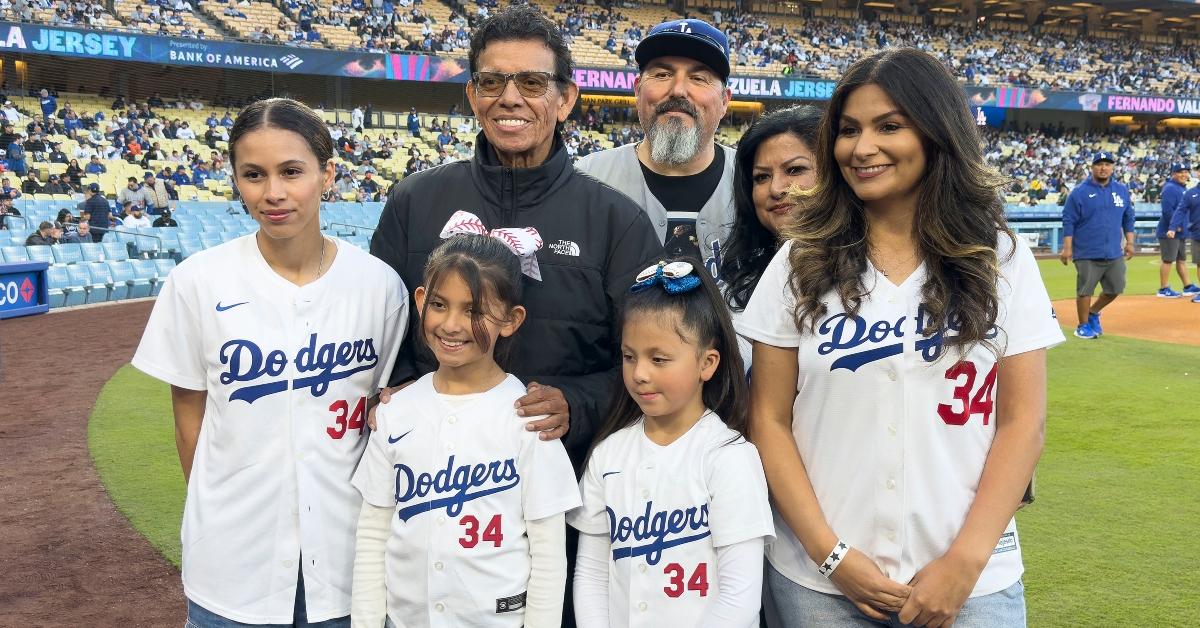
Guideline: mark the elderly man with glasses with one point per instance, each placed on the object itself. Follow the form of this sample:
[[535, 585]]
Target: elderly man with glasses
[[595, 239]]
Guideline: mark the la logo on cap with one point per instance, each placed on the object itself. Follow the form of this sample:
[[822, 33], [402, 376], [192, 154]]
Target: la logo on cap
[[684, 27]]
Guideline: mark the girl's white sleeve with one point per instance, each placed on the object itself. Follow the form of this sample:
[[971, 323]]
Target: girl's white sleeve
[[739, 586], [368, 597], [547, 571], [591, 581]]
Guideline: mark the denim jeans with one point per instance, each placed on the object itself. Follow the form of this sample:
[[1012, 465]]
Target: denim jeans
[[200, 617], [801, 607]]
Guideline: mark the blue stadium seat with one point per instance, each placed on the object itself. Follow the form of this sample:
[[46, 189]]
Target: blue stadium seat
[[40, 254], [68, 253], [210, 240], [147, 242], [114, 250], [101, 275], [188, 248], [164, 266], [15, 254], [170, 239], [144, 269], [81, 280], [60, 291], [122, 272], [92, 251]]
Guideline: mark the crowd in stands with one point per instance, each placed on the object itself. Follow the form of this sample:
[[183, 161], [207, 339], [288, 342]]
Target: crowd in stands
[[1046, 163], [772, 44]]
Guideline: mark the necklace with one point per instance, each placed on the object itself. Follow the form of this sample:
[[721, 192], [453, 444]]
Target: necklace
[[321, 262], [875, 260]]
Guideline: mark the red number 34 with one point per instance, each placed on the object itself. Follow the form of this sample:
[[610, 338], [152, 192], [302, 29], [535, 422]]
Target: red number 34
[[966, 404]]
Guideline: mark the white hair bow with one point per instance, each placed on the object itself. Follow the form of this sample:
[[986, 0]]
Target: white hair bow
[[523, 242]]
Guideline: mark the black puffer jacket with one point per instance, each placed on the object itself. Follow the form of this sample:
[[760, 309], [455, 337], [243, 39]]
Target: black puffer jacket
[[596, 241]]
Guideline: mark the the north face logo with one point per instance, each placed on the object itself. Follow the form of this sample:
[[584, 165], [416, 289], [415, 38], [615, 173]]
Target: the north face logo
[[565, 247]]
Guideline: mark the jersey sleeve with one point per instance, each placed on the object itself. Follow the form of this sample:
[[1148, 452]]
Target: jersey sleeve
[[768, 316], [375, 478], [172, 345], [547, 477], [738, 509], [1029, 321], [591, 517], [395, 326]]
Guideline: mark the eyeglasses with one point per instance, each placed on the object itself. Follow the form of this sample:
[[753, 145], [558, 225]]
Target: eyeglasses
[[529, 84]]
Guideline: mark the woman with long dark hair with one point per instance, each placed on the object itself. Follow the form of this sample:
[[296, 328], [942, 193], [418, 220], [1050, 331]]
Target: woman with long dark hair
[[272, 343], [774, 158], [900, 372]]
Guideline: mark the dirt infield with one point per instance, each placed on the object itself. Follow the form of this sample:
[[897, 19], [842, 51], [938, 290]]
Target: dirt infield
[[68, 557], [1176, 321]]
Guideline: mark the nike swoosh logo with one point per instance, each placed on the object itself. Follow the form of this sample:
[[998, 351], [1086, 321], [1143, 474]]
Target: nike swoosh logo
[[392, 440], [222, 308], [608, 473], [1091, 196]]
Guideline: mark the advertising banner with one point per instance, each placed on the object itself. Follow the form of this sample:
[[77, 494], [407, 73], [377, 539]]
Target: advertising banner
[[132, 46]]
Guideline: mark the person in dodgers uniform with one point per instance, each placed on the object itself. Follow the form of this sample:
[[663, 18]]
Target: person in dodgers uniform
[[898, 440], [675, 511], [475, 500], [272, 343]]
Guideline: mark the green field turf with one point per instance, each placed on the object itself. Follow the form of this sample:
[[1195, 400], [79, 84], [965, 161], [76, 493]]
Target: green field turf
[[1109, 541], [1141, 277]]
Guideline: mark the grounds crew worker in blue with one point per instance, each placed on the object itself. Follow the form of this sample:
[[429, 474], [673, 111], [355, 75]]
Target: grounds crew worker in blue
[[1186, 221], [1098, 236], [1173, 249]]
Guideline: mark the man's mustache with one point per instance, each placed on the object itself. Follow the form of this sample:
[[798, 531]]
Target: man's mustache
[[676, 104]]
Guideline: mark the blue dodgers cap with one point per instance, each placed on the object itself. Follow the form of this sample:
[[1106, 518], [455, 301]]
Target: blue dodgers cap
[[694, 39], [1103, 156], [1178, 167]]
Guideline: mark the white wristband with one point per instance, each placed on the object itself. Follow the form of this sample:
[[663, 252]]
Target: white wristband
[[831, 562]]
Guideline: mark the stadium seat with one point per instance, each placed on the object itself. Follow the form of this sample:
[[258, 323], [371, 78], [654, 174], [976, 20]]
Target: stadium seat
[[144, 269], [122, 272], [188, 248], [40, 254], [68, 253], [81, 280], [60, 292], [15, 254], [92, 251], [210, 240], [164, 266], [101, 275], [114, 250]]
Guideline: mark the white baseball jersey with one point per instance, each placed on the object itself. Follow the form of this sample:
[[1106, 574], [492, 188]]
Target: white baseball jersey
[[665, 511], [894, 439], [287, 370], [464, 479]]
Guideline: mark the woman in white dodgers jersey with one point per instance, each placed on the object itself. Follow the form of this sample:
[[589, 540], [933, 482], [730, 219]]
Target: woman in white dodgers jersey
[[462, 514], [675, 510], [271, 343], [899, 388]]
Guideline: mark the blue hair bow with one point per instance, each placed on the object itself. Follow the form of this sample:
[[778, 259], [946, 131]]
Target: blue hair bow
[[675, 278]]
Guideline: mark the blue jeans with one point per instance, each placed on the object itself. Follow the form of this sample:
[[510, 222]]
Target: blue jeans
[[200, 617], [800, 607]]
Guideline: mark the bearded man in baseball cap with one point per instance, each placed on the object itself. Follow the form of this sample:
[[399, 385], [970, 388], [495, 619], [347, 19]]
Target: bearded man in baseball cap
[[679, 176]]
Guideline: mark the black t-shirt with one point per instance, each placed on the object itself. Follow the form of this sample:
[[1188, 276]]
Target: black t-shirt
[[684, 197]]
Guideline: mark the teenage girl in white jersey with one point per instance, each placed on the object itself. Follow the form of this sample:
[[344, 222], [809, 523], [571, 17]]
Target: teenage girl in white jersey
[[675, 510], [899, 387], [272, 343], [462, 515]]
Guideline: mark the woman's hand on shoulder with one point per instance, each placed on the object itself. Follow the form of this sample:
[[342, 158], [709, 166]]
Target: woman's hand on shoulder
[[863, 583], [939, 592]]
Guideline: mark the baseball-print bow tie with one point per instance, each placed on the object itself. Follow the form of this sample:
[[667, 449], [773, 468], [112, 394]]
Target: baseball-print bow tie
[[523, 242], [675, 278]]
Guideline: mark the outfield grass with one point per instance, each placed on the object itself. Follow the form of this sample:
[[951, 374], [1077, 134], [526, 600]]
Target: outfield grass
[[131, 436], [1141, 277], [1109, 541]]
